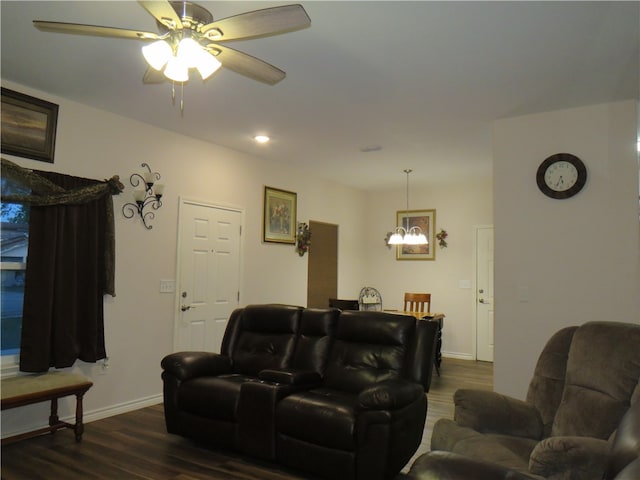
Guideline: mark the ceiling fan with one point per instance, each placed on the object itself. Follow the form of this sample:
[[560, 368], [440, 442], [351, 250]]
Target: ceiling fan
[[189, 38]]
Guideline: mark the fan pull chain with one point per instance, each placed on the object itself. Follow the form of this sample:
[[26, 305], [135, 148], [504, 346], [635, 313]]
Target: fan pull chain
[[173, 93], [182, 100]]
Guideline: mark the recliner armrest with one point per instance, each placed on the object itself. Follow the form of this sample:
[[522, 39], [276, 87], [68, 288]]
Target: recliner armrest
[[186, 365], [389, 395], [491, 412], [554, 456], [291, 377], [439, 465]]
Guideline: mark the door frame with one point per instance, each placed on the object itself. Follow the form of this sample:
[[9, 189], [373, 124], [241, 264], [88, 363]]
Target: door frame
[[474, 327], [182, 200]]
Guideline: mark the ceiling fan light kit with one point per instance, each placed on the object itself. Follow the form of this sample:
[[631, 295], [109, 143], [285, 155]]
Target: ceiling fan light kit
[[189, 38]]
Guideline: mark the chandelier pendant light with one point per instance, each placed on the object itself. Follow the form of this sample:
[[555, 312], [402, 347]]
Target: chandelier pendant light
[[408, 235]]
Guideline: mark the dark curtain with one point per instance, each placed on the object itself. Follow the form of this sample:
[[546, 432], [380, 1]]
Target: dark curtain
[[69, 269]]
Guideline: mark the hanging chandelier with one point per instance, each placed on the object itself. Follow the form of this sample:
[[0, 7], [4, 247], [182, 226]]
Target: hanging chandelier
[[408, 235]]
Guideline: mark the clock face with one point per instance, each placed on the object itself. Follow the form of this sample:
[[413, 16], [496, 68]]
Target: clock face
[[561, 175]]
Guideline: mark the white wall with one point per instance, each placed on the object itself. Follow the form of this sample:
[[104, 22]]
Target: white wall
[[459, 208], [577, 258], [596, 234], [139, 320]]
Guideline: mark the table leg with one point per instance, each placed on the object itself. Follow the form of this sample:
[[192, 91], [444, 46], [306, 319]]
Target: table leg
[[53, 418], [79, 426]]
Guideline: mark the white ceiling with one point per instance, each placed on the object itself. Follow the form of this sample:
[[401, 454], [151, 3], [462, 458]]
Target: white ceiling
[[423, 80]]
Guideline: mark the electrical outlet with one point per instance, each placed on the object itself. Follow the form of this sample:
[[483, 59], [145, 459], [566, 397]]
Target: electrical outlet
[[104, 367], [167, 286]]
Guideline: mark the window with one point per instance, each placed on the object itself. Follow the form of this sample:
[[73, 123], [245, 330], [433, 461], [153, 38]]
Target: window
[[14, 242]]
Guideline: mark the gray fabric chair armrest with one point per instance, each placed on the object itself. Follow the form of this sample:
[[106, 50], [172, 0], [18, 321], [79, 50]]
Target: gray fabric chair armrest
[[186, 365], [451, 466], [491, 412], [630, 472], [561, 457]]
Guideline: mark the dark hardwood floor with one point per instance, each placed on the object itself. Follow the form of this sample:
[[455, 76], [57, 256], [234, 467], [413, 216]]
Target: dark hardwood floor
[[136, 446]]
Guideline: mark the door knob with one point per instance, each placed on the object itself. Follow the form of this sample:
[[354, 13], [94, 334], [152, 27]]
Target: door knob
[[184, 308], [482, 301]]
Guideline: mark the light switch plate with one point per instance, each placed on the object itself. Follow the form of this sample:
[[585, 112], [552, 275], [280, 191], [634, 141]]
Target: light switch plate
[[167, 286]]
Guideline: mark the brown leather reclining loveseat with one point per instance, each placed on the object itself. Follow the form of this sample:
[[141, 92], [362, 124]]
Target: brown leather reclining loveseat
[[339, 394]]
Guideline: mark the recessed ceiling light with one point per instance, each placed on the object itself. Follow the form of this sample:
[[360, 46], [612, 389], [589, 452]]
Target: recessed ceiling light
[[261, 138]]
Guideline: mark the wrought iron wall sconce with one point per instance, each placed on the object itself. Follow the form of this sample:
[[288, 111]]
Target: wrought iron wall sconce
[[148, 198]]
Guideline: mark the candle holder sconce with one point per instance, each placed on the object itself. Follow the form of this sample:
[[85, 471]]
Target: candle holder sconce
[[146, 200]]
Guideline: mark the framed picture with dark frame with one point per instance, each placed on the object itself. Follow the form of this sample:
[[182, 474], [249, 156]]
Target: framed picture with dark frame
[[426, 220], [28, 126], [279, 216]]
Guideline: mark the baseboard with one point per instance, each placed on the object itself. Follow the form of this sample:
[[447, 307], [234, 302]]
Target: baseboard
[[459, 356], [125, 407], [98, 414]]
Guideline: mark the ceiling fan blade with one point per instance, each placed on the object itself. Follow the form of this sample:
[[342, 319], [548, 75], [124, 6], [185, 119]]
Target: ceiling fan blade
[[153, 76], [259, 23], [246, 65], [94, 30], [163, 12]]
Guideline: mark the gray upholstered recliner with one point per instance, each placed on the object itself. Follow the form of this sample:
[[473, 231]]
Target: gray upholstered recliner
[[584, 382], [623, 461]]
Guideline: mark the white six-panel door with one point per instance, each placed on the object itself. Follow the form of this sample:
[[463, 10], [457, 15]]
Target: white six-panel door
[[484, 294], [208, 274]]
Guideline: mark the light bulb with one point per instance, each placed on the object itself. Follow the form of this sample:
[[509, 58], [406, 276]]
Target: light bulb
[[158, 189], [207, 64], [157, 54], [395, 239], [189, 52], [176, 70], [409, 239]]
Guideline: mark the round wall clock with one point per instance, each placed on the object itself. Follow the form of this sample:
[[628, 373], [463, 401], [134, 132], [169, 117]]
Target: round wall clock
[[561, 175]]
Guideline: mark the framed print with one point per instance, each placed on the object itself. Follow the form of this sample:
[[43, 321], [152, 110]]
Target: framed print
[[279, 216], [426, 220], [28, 126]]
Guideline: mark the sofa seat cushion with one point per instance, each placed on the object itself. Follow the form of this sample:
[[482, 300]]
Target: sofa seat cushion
[[322, 417], [508, 451], [213, 397]]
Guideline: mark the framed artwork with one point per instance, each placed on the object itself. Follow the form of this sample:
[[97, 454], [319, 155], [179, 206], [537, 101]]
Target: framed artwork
[[426, 220], [28, 126], [279, 216]]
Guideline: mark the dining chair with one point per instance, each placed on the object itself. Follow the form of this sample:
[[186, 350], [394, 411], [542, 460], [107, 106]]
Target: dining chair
[[344, 304], [417, 302]]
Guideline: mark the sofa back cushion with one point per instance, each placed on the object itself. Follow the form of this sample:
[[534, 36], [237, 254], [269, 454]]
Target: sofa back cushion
[[547, 384], [369, 347], [603, 370], [317, 327], [263, 337]]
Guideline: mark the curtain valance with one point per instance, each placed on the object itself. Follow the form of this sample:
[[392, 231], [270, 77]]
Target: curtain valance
[[37, 191]]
